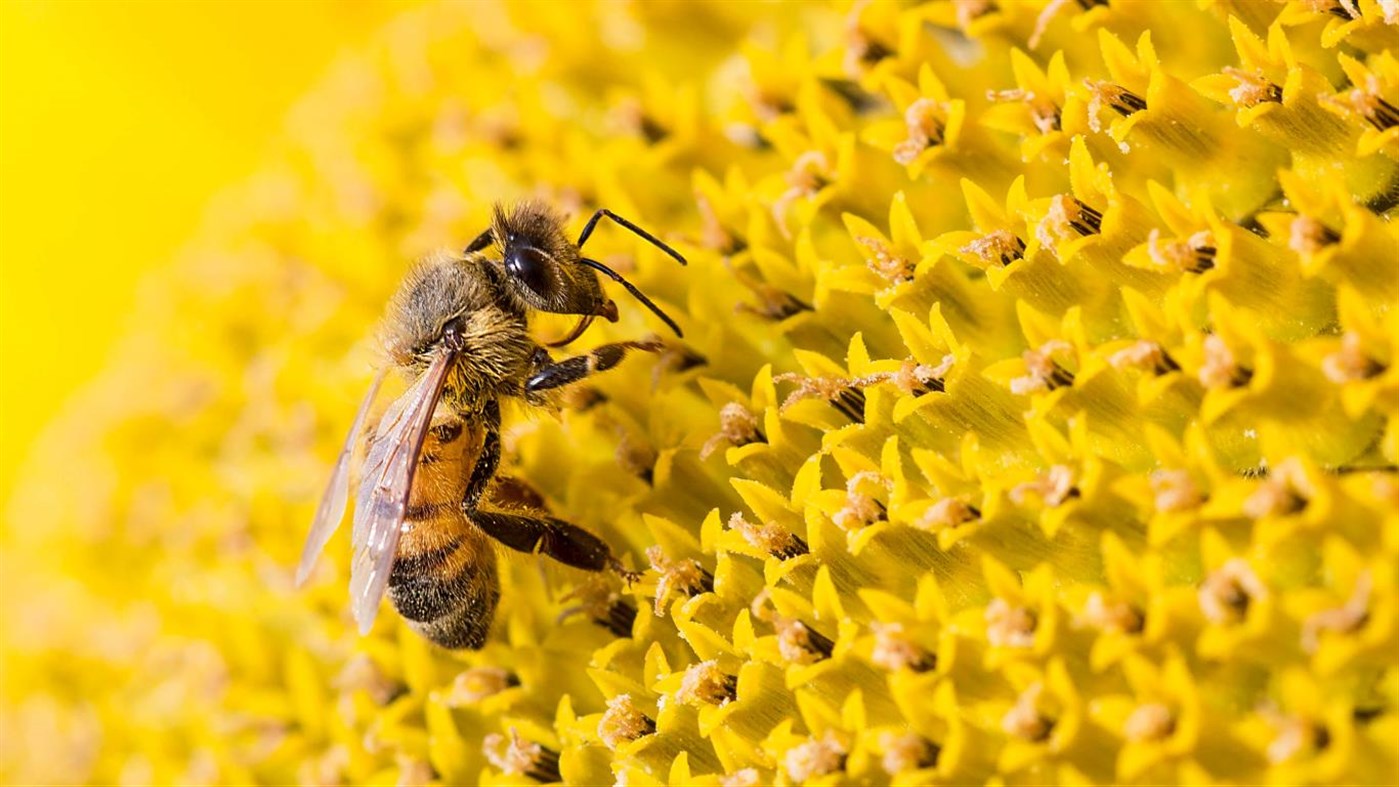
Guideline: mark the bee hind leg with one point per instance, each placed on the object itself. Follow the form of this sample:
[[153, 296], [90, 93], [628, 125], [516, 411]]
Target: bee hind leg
[[567, 543]]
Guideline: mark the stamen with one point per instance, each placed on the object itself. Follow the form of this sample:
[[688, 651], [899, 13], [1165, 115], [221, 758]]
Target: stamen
[[1295, 735], [808, 175], [1175, 491], [1226, 594], [891, 267], [1043, 112], [1104, 615], [1345, 619], [840, 393], [1219, 369], [1195, 255], [1054, 486], [1009, 626], [1121, 100], [478, 683], [1145, 354], [684, 576], [925, 120], [1253, 88], [623, 722], [769, 537], [519, 757], [1285, 491], [773, 304], [895, 650], [945, 513], [1150, 722], [603, 606], [713, 234], [706, 683], [361, 673], [799, 644], [861, 506], [1043, 372], [999, 246], [738, 426], [1310, 236], [815, 758], [1350, 363], [1065, 214], [1024, 720], [636, 457], [634, 117], [907, 751], [912, 378]]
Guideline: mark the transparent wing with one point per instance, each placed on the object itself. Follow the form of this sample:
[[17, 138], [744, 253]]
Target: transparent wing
[[382, 500], [337, 492]]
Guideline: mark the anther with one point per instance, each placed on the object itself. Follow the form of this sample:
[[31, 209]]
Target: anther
[[1043, 373], [738, 426], [518, 757], [1025, 720], [1345, 619], [770, 537], [907, 751], [623, 722], [1253, 88], [945, 513], [894, 649], [1350, 363], [861, 507], [1043, 112], [1150, 722], [884, 262], [1227, 593], [1176, 490], [998, 246], [925, 120], [706, 683], [1009, 625], [1220, 369], [685, 576], [1104, 615], [478, 683], [815, 758]]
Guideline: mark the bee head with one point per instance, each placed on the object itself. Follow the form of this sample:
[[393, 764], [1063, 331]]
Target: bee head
[[427, 310], [542, 267]]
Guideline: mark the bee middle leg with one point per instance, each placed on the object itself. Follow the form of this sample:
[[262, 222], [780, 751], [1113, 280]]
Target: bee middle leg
[[571, 370], [488, 461], [564, 542]]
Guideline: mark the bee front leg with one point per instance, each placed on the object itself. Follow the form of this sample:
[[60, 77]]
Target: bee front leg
[[567, 543], [571, 370]]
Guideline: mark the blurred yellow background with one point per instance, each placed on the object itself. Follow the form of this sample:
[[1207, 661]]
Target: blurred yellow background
[[118, 121]]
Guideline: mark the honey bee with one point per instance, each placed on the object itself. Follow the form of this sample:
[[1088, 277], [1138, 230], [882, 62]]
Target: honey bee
[[424, 526]]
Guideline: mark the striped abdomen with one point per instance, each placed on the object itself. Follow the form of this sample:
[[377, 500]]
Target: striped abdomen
[[444, 578]]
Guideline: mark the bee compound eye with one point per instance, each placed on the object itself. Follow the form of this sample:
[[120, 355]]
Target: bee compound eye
[[531, 266]]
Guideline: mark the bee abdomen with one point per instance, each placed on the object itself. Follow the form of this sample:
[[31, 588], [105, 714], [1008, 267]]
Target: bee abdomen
[[447, 597]]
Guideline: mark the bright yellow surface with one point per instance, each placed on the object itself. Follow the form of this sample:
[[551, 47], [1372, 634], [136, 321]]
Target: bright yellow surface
[[118, 121]]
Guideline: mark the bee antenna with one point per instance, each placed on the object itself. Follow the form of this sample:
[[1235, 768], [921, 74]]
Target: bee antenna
[[651, 239], [617, 277], [575, 333]]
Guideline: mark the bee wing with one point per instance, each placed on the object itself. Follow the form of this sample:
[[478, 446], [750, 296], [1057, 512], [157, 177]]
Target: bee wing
[[382, 501], [337, 492]]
